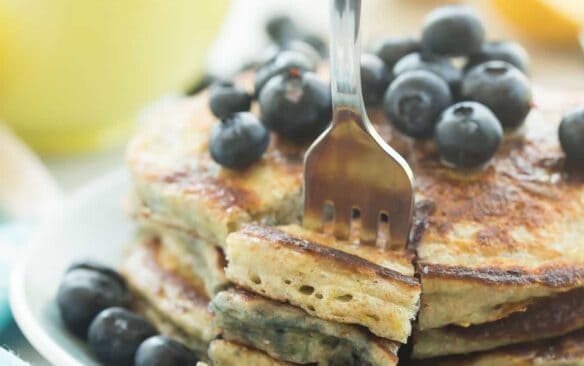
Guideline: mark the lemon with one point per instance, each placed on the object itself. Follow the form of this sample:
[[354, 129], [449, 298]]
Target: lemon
[[550, 21], [73, 74]]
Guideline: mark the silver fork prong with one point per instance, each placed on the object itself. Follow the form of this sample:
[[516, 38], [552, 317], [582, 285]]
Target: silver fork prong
[[399, 225], [313, 214], [342, 224], [368, 233], [384, 229]]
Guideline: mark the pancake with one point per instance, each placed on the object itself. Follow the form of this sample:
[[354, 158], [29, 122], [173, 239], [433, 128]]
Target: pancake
[[332, 280], [189, 256], [566, 351], [224, 353], [165, 326], [166, 292], [489, 242], [220, 352], [177, 181], [288, 333], [546, 318]]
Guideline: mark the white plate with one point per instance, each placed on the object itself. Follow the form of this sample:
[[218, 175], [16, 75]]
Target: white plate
[[91, 225]]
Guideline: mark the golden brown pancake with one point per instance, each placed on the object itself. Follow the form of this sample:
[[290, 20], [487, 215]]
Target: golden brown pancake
[[167, 293], [489, 242], [566, 351], [330, 279], [179, 184], [200, 262], [167, 327], [288, 333], [545, 318], [224, 353]]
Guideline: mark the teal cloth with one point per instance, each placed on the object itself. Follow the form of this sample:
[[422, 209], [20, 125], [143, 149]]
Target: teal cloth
[[12, 235], [4, 309]]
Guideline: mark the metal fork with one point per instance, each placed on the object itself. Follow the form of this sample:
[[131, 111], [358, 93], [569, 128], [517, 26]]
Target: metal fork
[[350, 168]]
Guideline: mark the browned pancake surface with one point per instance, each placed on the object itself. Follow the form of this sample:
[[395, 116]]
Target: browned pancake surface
[[518, 221]]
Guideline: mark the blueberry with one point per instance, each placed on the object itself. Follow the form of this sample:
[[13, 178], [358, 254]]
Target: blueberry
[[390, 50], [268, 55], [296, 105], [238, 140], [282, 29], [310, 54], [98, 267], [305, 49], [317, 42], [280, 63], [510, 52], [468, 135], [163, 351], [572, 135], [452, 30], [115, 334], [86, 289], [226, 99], [414, 101], [501, 87], [374, 79], [440, 66]]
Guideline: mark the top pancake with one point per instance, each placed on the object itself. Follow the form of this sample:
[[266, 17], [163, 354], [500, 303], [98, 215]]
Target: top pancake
[[180, 185], [525, 209], [488, 243], [519, 222]]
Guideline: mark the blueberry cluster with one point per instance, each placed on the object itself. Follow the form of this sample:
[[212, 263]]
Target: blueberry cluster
[[93, 301], [415, 81], [294, 103], [451, 85], [467, 108]]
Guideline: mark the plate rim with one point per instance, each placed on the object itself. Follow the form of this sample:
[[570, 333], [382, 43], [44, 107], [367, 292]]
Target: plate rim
[[22, 313]]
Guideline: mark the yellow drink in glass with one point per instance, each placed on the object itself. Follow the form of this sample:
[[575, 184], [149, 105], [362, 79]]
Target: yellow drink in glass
[[73, 73]]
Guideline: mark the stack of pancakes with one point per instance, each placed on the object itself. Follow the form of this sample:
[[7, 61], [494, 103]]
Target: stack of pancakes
[[501, 254], [222, 264]]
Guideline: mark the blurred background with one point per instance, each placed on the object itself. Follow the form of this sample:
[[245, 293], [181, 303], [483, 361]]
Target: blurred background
[[76, 76]]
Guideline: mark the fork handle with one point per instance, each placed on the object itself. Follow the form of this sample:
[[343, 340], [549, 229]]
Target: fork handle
[[345, 56]]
